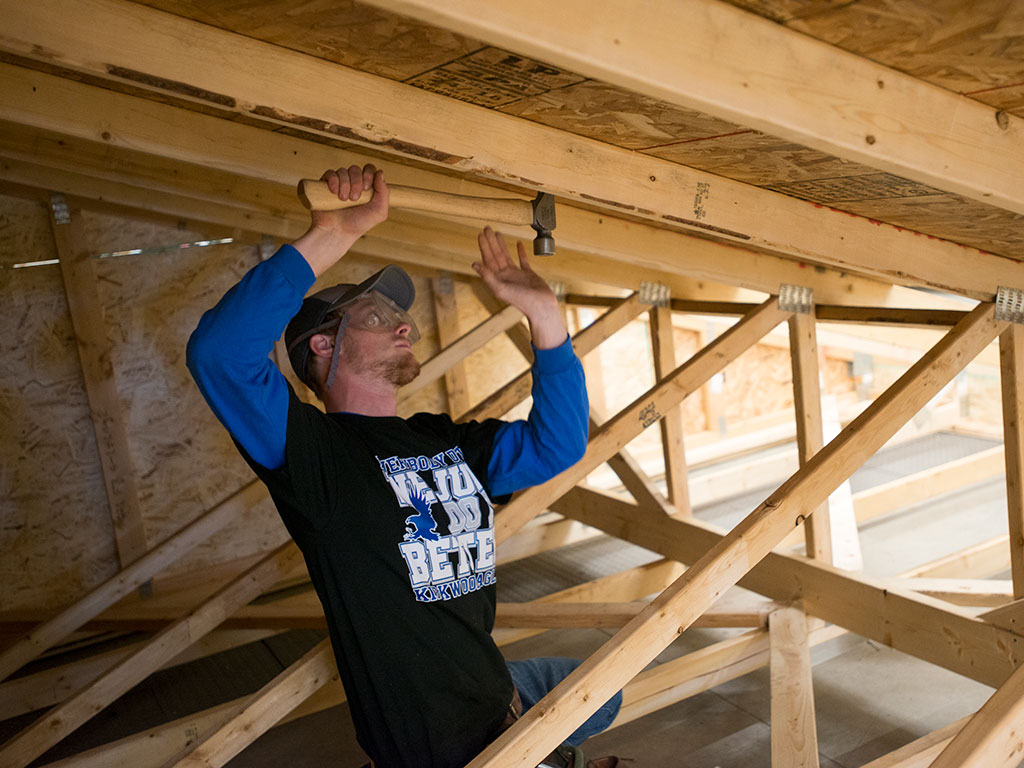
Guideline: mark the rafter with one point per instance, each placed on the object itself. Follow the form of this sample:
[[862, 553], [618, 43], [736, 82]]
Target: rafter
[[274, 86], [713, 57]]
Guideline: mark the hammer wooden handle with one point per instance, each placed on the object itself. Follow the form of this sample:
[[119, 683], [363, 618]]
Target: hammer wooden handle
[[316, 196]]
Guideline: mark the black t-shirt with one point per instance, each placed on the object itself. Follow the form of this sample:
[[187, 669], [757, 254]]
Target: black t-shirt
[[396, 527]]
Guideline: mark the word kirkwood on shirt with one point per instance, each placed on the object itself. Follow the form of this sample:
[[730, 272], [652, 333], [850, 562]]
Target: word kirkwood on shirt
[[449, 539]]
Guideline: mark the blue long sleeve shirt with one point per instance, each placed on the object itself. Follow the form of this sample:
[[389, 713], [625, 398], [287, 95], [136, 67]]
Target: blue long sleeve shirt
[[228, 356]]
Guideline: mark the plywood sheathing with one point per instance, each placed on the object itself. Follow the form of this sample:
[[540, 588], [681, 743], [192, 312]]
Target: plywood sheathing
[[975, 49], [57, 537]]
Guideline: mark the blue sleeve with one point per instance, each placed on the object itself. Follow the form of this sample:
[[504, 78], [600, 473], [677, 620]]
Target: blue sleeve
[[228, 354], [554, 436]]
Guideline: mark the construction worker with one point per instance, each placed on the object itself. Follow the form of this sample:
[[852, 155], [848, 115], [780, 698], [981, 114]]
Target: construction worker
[[394, 516]]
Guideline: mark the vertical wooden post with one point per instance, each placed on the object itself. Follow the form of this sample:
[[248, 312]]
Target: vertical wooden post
[[803, 350], [794, 731], [1011, 371], [663, 341], [455, 382], [94, 352]]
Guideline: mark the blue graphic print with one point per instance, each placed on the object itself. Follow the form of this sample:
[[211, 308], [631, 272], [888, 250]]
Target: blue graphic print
[[448, 545]]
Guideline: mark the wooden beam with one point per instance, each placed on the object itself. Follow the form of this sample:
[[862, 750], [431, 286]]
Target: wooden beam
[[98, 124], [990, 739], [149, 749], [254, 716], [513, 393], [642, 413], [42, 734], [95, 354], [582, 692], [803, 353], [535, 615], [141, 48], [794, 732], [110, 591], [1011, 373], [671, 424], [720, 60]]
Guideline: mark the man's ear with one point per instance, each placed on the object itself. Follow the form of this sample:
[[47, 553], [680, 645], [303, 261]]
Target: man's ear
[[321, 345]]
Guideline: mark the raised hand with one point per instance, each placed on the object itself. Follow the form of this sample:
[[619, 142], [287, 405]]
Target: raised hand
[[521, 287], [350, 184], [333, 232]]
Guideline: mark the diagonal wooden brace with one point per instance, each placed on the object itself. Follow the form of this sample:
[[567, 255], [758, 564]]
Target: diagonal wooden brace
[[631, 649]]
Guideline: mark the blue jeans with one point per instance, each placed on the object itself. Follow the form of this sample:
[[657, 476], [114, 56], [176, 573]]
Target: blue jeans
[[534, 678]]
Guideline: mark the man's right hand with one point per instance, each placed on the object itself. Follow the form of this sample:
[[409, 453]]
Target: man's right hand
[[332, 233]]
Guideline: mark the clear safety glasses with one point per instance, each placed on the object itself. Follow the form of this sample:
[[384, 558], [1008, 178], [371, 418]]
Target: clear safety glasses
[[377, 313]]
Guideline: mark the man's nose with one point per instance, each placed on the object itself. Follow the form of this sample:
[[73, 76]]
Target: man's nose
[[403, 328]]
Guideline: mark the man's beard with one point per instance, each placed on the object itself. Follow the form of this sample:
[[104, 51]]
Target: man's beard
[[398, 371]]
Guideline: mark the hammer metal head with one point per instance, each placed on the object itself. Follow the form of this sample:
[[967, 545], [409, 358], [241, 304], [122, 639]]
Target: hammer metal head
[[543, 224]]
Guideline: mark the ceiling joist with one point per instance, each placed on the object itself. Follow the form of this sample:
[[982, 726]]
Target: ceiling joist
[[718, 59], [121, 149], [167, 56]]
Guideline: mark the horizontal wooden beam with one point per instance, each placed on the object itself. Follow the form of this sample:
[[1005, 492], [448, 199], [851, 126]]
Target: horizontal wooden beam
[[140, 48], [715, 58], [535, 615], [832, 313]]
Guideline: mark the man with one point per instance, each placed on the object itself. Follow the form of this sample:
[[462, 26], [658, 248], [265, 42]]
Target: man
[[394, 516]]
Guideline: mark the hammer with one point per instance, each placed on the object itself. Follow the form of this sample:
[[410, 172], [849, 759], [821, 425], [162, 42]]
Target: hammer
[[538, 213]]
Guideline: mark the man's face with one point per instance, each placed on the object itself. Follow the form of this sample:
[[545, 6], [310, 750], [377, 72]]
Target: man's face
[[372, 345]]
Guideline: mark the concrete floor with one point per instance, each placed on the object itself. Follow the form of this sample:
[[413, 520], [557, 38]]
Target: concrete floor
[[869, 699]]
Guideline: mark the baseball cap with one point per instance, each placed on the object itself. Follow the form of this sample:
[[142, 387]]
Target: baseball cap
[[392, 282]]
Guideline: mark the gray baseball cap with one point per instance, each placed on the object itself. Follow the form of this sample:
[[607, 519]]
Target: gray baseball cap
[[392, 282]]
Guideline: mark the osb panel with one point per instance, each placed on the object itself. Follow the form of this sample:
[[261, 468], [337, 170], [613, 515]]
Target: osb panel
[[962, 46], [56, 536], [337, 30], [492, 77], [1009, 99], [616, 116], [787, 10], [950, 217], [757, 158], [183, 459]]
